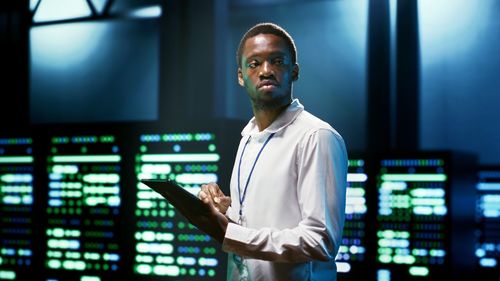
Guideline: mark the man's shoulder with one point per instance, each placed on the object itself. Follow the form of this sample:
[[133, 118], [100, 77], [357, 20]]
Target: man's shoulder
[[309, 121], [308, 124]]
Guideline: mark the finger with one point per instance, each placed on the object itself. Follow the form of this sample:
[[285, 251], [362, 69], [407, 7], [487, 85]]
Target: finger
[[202, 195], [212, 190], [226, 200], [211, 205], [219, 192]]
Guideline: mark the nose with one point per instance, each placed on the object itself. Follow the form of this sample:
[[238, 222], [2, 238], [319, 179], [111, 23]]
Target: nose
[[266, 69]]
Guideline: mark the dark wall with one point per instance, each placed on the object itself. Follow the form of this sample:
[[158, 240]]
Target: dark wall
[[460, 89], [14, 23]]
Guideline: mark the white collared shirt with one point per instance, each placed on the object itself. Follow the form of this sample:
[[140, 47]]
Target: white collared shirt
[[293, 211]]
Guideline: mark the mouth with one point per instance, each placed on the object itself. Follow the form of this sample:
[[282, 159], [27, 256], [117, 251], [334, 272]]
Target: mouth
[[267, 84]]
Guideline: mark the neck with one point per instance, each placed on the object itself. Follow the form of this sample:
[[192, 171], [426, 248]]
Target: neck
[[266, 116]]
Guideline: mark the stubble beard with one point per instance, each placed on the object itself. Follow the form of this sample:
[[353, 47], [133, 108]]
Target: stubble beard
[[270, 104]]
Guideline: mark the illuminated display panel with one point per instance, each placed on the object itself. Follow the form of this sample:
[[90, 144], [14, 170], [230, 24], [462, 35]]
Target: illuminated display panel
[[353, 248], [16, 207], [488, 221], [412, 219], [83, 207], [166, 244]]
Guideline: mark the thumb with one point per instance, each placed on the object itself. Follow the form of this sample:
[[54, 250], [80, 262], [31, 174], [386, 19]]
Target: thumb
[[208, 201]]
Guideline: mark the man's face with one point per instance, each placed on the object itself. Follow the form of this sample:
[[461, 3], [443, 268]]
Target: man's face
[[267, 71]]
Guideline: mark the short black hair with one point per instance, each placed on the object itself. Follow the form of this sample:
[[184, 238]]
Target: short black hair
[[267, 28]]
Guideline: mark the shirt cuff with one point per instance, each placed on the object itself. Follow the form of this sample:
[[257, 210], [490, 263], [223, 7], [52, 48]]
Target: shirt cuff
[[232, 214], [235, 236]]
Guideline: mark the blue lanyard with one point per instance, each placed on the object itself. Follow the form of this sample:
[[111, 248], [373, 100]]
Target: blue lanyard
[[251, 171]]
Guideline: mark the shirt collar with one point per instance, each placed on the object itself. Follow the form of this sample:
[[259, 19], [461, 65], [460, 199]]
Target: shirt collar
[[283, 120]]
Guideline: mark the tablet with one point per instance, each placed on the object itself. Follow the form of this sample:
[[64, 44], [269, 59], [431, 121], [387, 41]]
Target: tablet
[[188, 204]]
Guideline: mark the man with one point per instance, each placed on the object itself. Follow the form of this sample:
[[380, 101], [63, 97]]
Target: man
[[285, 216]]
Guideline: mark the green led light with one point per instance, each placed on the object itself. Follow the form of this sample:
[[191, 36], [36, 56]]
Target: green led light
[[164, 248], [385, 259], [73, 255], [167, 270], [355, 192], [156, 169], [191, 157], [355, 163], [437, 253], [385, 251], [84, 139], [192, 271], [419, 271], [390, 234], [85, 158], [16, 159], [107, 139], [165, 259], [404, 259], [211, 147], [428, 192], [90, 278], [195, 179], [16, 188], [7, 275], [60, 140], [209, 250], [15, 141], [54, 264], [65, 169], [428, 201], [101, 178], [55, 254], [414, 177], [143, 258], [102, 190]]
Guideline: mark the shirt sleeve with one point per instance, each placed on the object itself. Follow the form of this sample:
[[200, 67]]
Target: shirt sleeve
[[321, 191]]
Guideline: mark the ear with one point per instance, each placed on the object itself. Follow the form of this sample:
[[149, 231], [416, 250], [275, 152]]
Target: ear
[[240, 77], [295, 72]]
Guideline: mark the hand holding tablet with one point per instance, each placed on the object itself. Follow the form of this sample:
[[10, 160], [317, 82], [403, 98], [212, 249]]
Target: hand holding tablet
[[202, 215]]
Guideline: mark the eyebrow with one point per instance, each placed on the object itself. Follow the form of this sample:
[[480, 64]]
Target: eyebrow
[[272, 54]]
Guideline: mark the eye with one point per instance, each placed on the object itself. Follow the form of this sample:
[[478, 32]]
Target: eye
[[253, 64], [279, 61]]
